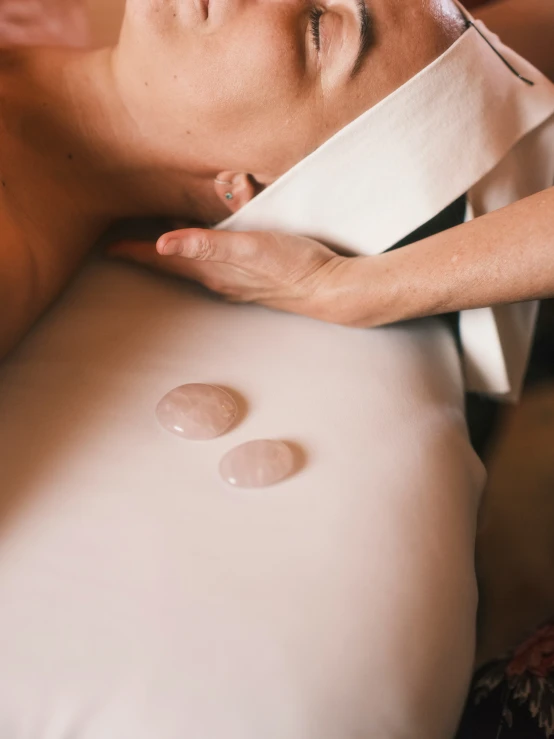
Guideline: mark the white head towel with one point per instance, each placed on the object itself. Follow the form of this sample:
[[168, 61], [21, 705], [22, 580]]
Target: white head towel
[[454, 128]]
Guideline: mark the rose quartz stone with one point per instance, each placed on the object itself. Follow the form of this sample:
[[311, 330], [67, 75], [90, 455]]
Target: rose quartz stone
[[36, 22], [257, 464], [197, 412]]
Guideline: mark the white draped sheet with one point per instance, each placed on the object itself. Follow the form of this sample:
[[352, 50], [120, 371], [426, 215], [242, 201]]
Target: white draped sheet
[[142, 598]]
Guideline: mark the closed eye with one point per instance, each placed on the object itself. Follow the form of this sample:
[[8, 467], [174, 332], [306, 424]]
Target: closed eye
[[315, 16]]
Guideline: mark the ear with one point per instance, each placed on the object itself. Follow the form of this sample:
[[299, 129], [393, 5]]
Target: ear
[[235, 189]]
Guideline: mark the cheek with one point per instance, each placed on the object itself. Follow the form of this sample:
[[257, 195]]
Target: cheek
[[249, 84], [251, 70]]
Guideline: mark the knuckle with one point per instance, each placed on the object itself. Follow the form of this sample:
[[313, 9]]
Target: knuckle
[[204, 248]]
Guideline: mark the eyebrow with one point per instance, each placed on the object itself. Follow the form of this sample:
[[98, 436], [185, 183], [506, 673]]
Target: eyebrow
[[366, 35]]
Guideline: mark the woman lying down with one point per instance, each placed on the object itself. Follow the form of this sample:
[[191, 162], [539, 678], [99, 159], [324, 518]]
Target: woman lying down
[[141, 597]]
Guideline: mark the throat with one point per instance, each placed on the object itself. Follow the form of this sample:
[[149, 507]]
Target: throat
[[70, 157], [47, 160]]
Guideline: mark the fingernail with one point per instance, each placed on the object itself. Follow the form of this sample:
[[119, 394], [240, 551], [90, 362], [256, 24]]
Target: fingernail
[[171, 247]]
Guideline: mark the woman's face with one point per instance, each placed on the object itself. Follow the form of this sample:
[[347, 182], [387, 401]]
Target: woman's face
[[255, 85]]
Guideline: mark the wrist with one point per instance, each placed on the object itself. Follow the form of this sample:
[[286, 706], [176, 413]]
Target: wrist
[[357, 292]]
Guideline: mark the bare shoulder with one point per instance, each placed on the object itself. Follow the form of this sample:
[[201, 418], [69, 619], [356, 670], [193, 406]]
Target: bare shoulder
[[11, 231], [11, 60], [18, 269], [15, 256], [17, 280]]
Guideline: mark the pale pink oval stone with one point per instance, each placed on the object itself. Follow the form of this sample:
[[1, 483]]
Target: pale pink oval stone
[[257, 464], [197, 412]]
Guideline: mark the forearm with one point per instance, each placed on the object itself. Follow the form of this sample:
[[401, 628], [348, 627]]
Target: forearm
[[504, 257]]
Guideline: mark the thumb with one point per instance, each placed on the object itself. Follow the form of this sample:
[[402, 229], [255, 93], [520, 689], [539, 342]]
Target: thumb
[[210, 246], [144, 253]]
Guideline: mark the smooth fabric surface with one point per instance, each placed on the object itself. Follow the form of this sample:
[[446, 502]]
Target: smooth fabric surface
[[142, 598], [464, 124]]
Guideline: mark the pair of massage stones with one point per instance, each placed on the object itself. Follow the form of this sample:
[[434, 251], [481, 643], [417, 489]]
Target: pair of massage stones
[[201, 412]]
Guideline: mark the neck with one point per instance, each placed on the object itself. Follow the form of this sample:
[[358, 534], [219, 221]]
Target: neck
[[68, 120]]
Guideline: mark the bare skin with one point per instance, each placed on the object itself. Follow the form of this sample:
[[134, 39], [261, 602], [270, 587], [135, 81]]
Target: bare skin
[[145, 128], [63, 181], [504, 257]]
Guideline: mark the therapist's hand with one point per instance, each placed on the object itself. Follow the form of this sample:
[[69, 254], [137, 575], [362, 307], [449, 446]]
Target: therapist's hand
[[281, 271]]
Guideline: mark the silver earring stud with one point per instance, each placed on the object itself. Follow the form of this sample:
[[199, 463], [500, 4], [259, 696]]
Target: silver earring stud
[[228, 196]]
